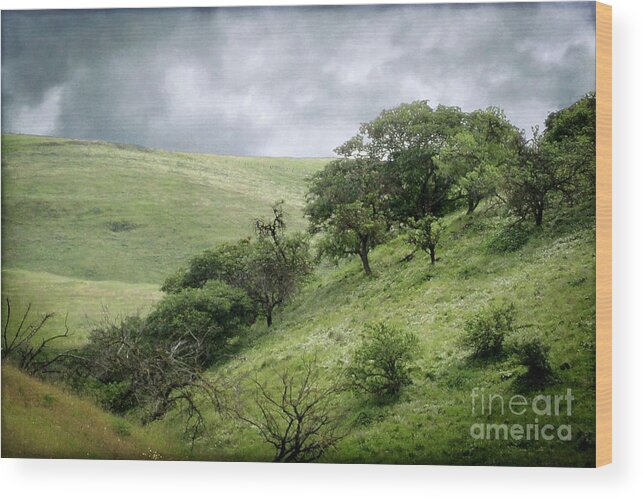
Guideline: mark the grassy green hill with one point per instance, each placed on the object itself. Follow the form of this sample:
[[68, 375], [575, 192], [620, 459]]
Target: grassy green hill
[[60, 256], [81, 302], [551, 282], [93, 225], [41, 420], [101, 211]]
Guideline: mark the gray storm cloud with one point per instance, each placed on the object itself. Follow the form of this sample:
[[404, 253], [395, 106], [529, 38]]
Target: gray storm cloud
[[283, 81]]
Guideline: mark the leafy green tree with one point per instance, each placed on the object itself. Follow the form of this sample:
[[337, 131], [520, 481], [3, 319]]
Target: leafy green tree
[[570, 141], [273, 274], [277, 263], [354, 230], [405, 143], [425, 234], [210, 315], [269, 269], [527, 187], [345, 202], [555, 166], [291, 250], [381, 365], [474, 155]]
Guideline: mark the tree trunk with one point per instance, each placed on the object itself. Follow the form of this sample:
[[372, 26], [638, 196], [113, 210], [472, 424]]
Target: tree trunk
[[432, 253], [363, 254], [538, 216], [473, 202], [269, 318]]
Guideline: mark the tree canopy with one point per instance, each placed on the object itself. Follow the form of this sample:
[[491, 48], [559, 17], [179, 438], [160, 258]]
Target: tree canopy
[[404, 142], [415, 161], [268, 269]]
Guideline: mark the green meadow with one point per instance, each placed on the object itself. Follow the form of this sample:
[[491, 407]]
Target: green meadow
[[105, 212], [91, 228]]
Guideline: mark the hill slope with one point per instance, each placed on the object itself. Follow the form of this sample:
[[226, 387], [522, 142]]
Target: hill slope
[[88, 226], [550, 281], [101, 211], [41, 420]]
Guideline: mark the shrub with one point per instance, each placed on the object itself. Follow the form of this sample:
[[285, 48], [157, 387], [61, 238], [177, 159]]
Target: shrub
[[509, 238], [534, 355], [115, 396], [226, 263], [485, 332], [211, 314], [381, 364], [125, 367]]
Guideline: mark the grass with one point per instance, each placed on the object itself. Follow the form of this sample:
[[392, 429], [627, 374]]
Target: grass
[[44, 421], [101, 211], [82, 303], [432, 420], [550, 277], [88, 226]]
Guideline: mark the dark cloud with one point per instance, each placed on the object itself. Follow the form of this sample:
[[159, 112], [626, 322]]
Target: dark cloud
[[283, 81]]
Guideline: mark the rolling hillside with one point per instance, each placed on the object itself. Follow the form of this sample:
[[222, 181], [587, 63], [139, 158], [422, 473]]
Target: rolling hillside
[[44, 421], [101, 211], [63, 199], [431, 421], [94, 225]]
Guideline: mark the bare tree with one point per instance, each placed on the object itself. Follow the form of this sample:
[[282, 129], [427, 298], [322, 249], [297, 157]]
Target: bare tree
[[157, 376], [34, 357], [277, 265], [298, 419]]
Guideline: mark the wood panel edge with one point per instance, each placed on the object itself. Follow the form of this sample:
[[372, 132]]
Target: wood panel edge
[[603, 234]]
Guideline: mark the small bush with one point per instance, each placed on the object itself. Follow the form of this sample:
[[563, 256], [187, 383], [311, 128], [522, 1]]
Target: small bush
[[209, 315], [509, 238], [382, 363], [534, 355], [485, 332]]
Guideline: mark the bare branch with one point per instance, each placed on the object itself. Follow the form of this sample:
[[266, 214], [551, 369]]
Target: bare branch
[[300, 423]]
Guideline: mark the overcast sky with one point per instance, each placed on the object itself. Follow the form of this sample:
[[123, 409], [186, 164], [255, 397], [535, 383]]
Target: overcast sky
[[283, 81]]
